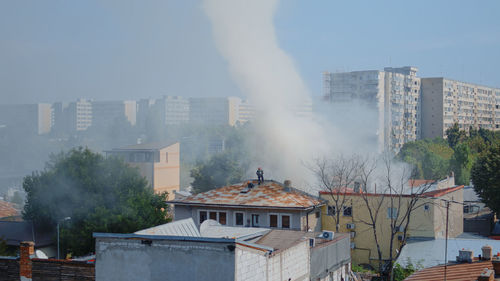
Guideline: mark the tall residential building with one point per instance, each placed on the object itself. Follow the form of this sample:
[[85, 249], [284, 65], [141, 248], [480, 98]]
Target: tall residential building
[[249, 111], [78, 115], [106, 113], [214, 111], [30, 118], [394, 93], [173, 110], [446, 101]]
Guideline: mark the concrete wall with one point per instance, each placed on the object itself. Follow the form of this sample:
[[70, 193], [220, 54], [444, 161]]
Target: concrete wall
[[290, 264], [432, 107], [330, 257], [456, 215], [167, 171], [131, 260]]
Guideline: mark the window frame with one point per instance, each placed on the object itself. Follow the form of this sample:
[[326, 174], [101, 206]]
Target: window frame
[[277, 220], [235, 220], [391, 214], [344, 211], [289, 221]]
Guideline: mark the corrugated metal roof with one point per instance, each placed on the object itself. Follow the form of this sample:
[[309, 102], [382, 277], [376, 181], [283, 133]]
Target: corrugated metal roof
[[184, 227], [244, 233], [431, 253], [454, 272], [268, 194]]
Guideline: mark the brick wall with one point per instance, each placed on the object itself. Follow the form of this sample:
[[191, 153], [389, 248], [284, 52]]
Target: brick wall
[[9, 268]]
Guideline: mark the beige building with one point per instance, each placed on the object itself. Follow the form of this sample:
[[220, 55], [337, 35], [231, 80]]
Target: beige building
[[394, 93], [427, 221], [214, 111], [446, 101], [106, 113], [158, 163]]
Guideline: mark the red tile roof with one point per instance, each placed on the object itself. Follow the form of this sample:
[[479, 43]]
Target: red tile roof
[[269, 194], [7, 210], [434, 193], [454, 272]]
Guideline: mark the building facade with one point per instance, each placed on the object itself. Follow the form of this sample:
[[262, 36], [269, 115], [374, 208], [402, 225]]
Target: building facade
[[428, 221], [107, 113], [214, 111], [33, 119], [446, 101], [393, 93], [158, 163]]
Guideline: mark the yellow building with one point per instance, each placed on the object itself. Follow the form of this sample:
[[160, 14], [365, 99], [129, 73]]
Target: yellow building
[[428, 220], [158, 163]]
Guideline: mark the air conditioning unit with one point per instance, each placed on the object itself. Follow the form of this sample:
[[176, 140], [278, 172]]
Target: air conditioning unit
[[327, 235], [353, 245], [312, 242], [351, 226], [353, 234]]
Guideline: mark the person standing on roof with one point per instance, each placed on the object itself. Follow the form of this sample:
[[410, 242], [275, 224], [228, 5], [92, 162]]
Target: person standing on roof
[[260, 175]]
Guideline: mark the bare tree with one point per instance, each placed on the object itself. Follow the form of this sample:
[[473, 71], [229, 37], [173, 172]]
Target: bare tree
[[397, 193], [337, 176]]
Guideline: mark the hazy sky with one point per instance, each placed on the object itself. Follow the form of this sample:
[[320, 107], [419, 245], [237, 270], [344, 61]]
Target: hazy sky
[[61, 50]]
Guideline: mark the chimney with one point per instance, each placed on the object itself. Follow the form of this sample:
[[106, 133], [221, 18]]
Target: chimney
[[486, 252], [27, 250], [465, 255], [287, 184], [356, 187]]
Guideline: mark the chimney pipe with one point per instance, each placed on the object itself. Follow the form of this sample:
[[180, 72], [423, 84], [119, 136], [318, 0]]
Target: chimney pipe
[[287, 184], [27, 250], [486, 252]]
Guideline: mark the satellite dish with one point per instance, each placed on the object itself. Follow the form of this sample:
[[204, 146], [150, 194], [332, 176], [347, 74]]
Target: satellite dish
[[207, 223], [41, 255]]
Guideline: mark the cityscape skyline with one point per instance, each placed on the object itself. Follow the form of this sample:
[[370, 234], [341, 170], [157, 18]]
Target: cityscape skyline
[[51, 51]]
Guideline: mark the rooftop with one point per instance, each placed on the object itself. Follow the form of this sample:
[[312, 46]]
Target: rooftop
[[454, 272], [433, 193], [145, 146], [270, 194], [7, 210]]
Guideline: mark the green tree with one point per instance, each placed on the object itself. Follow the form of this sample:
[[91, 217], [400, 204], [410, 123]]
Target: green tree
[[461, 163], [455, 135], [486, 177], [220, 170], [99, 194]]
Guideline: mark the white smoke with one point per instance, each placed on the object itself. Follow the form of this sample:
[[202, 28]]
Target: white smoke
[[244, 34]]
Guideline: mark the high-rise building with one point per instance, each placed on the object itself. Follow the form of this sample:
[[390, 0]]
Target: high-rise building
[[29, 118], [78, 115], [394, 93], [214, 111], [174, 110], [107, 113], [446, 101]]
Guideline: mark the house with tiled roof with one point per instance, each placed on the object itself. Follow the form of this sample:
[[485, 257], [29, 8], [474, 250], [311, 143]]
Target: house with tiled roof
[[8, 210], [270, 204], [427, 222]]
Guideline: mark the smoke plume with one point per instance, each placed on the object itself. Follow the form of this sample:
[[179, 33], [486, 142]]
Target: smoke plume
[[245, 36]]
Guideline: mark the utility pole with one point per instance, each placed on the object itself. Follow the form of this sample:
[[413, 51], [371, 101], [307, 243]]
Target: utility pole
[[446, 240]]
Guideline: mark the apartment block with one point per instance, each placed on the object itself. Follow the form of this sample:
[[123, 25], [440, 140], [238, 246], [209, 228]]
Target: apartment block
[[30, 118], [74, 116], [106, 113], [394, 94], [173, 110], [446, 101], [214, 111]]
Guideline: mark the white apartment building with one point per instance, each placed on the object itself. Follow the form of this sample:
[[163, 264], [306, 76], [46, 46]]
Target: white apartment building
[[446, 101], [80, 114], [394, 93], [174, 109], [214, 111], [106, 113]]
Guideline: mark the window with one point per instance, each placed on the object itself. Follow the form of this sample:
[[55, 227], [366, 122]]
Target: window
[[255, 220], [392, 213], [317, 214], [203, 216], [347, 211], [213, 216], [331, 210], [239, 219], [222, 218], [285, 221], [427, 207], [273, 220]]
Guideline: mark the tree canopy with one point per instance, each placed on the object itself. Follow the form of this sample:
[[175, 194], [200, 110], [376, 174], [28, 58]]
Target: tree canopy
[[486, 177], [99, 194], [220, 170]]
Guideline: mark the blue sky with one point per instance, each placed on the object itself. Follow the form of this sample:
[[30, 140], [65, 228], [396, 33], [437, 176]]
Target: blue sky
[[60, 50]]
